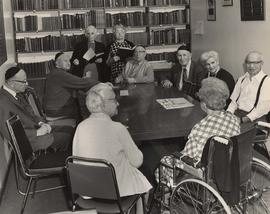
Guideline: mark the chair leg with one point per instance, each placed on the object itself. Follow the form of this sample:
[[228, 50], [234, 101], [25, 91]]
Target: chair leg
[[34, 187], [27, 193]]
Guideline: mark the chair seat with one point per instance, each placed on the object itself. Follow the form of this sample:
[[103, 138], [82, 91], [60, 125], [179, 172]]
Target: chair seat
[[51, 163], [108, 206]]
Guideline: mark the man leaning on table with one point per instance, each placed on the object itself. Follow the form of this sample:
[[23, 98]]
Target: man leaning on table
[[186, 75], [250, 99]]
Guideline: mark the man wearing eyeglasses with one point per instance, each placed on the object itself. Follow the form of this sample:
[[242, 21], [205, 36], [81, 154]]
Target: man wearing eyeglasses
[[137, 69], [13, 102], [250, 99]]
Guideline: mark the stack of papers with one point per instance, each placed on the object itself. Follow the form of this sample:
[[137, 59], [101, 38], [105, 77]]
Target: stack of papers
[[174, 103]]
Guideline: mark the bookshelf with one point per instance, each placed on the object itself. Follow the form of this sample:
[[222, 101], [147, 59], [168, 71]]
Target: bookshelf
[[44, 27]]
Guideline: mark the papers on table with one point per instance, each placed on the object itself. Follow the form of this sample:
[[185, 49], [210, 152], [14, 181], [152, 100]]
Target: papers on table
[[174, 103]]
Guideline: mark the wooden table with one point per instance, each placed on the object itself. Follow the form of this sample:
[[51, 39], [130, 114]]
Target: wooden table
[[146, 119]]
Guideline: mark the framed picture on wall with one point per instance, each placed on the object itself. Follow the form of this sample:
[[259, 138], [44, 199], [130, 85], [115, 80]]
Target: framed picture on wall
[[252, 10], [211, 10], [227, 2]]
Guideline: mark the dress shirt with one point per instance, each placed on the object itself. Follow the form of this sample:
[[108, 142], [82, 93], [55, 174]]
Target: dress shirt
[[141, 72], [220, 123], [187, 68], [13, 93], [245, 92]]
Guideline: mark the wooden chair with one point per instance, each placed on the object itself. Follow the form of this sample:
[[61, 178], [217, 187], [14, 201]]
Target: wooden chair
[[96, 178], [32, 166]]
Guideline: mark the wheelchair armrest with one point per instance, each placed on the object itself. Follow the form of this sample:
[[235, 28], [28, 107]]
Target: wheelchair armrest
[[188, 160]]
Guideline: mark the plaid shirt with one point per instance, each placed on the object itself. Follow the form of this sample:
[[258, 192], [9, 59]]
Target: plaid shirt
[[222, 124], [117, 67]]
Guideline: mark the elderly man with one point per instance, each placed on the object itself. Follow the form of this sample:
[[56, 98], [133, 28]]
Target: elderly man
[[186, 75], [59, 100], [250, 99], [210, 61], [137, 69], [89, 55], [13, 102], [115, 146]]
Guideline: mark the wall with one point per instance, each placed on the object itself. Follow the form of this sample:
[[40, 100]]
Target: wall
[[230, 36], [4, 151]]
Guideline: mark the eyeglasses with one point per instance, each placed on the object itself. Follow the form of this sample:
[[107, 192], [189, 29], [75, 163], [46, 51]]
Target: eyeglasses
[[253, 62], [21, 81], [112, 100]]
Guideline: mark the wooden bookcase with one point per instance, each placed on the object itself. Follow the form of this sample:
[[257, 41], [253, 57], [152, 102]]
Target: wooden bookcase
[[44, 27]]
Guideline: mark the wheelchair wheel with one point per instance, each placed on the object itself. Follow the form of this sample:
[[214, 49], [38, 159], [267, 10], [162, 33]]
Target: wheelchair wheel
[[195, 196], [259, 193]]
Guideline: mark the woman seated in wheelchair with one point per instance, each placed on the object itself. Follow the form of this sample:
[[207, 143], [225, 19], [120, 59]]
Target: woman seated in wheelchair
[[213, 95]]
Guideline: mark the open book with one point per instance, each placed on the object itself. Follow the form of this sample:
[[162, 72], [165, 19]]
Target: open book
[[90, 54], [124, 52]]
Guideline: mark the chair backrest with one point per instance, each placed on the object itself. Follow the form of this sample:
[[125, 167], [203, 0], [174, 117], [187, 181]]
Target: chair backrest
[[240, 146], [92, 177], [19, 141]]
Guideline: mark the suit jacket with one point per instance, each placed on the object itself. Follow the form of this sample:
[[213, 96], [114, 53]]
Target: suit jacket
[[79, 50], [10, 106], [196, 74]]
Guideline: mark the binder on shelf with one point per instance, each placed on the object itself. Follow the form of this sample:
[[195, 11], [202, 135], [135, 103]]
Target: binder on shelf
[[124, 52]]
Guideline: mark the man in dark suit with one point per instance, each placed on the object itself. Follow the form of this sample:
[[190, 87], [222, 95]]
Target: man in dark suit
[[13, 102], [89, 55], [186, 75]]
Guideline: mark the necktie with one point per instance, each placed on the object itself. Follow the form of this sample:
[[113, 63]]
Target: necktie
[[184, 70]]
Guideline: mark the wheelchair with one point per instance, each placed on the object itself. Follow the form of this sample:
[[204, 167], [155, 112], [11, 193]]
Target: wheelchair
[[230, 178]]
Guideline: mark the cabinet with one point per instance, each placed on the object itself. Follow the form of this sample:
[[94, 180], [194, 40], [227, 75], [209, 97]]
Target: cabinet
[[44, 27]]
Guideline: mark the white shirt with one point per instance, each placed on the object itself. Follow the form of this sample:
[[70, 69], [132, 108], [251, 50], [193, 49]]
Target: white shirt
[[13, 93], [181, 76], [246, 89]]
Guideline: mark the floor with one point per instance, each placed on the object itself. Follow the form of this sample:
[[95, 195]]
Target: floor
[[56, 201]]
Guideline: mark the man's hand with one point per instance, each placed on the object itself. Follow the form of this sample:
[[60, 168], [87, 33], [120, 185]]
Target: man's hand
[[166, 83], [76, 62], [118, 79], [245, 119], [116, 58], [131, 80], [99, 60], [45, 128]]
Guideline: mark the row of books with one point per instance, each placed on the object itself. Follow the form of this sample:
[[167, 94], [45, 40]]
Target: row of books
[[93, 17], [168, 56], [136, 38], [67, 42], [164, 18], [166, 2], [37, 69], [68, 4], [34, 4], [128, 19], [27, 23], [47, 43], [169, 36]]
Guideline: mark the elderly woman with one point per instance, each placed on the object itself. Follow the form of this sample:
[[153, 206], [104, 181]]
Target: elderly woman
[[100, 137], [210, 61], [213, 95], [114, 61], [137, 69]]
